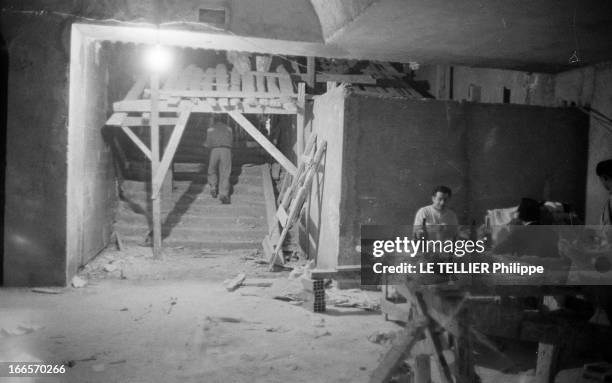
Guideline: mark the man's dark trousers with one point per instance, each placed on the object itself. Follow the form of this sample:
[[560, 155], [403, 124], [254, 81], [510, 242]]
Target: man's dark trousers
[[220, 162]]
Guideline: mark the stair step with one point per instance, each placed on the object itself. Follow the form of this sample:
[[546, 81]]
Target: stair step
[[192, 219], [198, 245], [195, 233], [195, 206]]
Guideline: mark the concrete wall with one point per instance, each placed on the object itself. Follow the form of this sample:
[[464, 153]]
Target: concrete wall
[[519, 151], [396, 151], [98, 178], [591, 86], [91, 186], [35, 186]]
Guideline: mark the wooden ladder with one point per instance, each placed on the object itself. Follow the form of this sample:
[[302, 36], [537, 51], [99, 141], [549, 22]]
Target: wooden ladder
[[291, 199]]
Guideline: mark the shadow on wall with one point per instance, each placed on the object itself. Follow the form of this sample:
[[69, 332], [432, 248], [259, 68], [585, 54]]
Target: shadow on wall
[[3, 110]]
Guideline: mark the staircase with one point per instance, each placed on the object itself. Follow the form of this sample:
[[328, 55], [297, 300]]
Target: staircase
[[191, 218]]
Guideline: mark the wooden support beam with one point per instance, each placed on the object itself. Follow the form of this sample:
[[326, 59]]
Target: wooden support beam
[[446, 375], [156, 203], [272, 92], [135, 91], [310, 71], [300, 119], [262, 140], [144, 106], [141, 121], [546, 367], [136, 140], [175, 138]]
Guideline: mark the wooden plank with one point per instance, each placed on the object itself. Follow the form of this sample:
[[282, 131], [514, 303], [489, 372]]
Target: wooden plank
[[278, 74], [222, 80], [171, 147], [116, 119], [285, 83], [208, 80], [546, 366], [273, 230], [300, 120], [136, 140], [195, 79], [388, 69], [272, 86], [285, 199], [144, 106], [136, 89], [235, 79], [248, 86], [235, 86], [134, 92], [291, 108], [248, 83], [234, 283], [156, 203], [229, 93], [397, 311], [262, 140], [310, 71], [140, 106], [446, 376], [173, 101], [282, 216], [261, 87], [262, 63], [444, 319]]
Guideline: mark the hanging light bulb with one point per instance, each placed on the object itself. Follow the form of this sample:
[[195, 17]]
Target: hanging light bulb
[[158, 58]]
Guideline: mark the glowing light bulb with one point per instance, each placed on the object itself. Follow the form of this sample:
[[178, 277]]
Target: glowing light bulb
[[158, 58]]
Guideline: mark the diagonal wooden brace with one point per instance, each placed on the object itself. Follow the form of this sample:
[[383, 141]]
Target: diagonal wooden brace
[[137, 141], [175, 138], [263, 141]]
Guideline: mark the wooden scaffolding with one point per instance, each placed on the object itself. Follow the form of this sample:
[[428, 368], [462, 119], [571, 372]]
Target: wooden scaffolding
[[214, 90]]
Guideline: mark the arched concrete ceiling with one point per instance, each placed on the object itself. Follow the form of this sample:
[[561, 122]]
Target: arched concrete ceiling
[[519, 34]]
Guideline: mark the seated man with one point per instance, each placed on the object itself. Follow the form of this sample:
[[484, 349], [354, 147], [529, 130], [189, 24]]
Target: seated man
[[437, 214]]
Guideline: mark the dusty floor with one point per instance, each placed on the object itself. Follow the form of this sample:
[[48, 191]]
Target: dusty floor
[[140, 320]]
